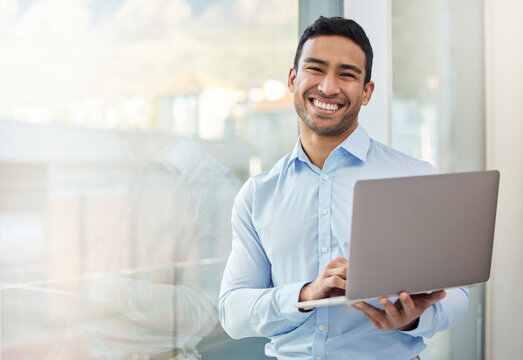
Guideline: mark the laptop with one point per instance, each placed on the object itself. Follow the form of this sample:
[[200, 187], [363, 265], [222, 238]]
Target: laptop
[[419, 234]]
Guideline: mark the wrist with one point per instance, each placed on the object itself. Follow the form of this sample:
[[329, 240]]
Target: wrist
[[304, 296], [304, 293], [410, 326]]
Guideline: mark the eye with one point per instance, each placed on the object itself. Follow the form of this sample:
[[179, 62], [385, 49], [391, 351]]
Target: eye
[[348, 75], [313, 68]]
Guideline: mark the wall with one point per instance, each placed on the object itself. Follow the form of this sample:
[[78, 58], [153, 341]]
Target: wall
[[504, 103]]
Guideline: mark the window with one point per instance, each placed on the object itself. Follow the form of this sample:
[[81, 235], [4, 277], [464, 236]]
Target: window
[[126, 129], [438, 115]]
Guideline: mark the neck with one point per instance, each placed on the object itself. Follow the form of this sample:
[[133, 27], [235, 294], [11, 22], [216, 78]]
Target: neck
[[318, 147]]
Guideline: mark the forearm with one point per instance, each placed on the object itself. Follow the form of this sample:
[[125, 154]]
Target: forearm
[[443, 315], [268, 312]]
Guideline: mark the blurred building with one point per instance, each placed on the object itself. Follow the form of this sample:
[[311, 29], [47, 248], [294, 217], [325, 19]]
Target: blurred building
[[197, 105]]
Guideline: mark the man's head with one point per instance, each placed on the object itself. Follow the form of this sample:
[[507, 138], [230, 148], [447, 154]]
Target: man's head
[[330, 79], [342, 27]]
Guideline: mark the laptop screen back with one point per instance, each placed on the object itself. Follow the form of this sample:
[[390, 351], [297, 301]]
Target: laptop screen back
[[422, 233]]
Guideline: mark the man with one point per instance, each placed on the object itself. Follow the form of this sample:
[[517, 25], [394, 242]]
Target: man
[[291, 225]]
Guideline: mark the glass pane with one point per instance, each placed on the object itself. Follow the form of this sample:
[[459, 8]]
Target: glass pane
[[126, 129], [437, 115], [419, 72]]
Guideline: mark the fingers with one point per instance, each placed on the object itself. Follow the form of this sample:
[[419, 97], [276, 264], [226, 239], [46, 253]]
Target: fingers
[[406, 302], [327, 285], [438, 295], [420, 301], [403, 313], [391, 310], [388, 319], [330, 282], [338, 271], [339, 260], [413, 306], [433, 297], [376, 316], [337, 263], [322, 288], [338, 267], [333, 277]]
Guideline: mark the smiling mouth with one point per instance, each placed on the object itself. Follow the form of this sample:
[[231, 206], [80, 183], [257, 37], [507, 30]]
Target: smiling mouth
[[325, 107]]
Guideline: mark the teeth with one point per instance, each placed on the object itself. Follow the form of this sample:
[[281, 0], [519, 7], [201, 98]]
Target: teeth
[[325, 106]]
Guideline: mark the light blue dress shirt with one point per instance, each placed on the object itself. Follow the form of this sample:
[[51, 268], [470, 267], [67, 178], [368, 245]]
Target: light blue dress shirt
[[288, 224]]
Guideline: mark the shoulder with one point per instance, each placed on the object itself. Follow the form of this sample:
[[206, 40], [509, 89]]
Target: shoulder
[[265, 182], [398, 160]]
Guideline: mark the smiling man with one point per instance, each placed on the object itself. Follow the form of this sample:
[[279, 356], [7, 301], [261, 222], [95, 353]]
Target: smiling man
[[291, 225]]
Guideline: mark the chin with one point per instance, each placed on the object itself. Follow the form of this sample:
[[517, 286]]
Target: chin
[[333, 130], [327, 131]]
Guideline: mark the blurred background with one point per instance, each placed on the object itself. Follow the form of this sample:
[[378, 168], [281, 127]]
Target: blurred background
[[128, 126]]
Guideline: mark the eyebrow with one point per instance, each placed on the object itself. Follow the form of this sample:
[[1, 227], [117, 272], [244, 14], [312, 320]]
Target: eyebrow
[[325, 63]]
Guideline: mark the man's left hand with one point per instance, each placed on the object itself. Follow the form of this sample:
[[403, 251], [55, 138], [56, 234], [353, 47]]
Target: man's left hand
[[403, 314]]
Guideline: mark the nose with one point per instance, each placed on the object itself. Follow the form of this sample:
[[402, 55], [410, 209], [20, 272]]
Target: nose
[[329, 84]]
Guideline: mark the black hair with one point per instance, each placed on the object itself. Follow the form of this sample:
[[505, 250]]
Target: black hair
[[338, 26]]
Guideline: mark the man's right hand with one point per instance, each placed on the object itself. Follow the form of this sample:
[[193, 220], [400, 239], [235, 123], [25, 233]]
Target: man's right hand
[[330, 282]]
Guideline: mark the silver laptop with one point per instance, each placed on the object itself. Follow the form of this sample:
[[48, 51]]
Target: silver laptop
[[419, 234]]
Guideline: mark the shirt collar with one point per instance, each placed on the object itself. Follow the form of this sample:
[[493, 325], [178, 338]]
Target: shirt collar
[[298, 153], [357, 144]]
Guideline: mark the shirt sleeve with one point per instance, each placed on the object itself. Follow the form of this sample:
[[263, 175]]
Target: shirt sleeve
[[248, 304], [444, 314]]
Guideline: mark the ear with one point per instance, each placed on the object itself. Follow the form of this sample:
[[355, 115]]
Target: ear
[[291, 78], [367, 92]]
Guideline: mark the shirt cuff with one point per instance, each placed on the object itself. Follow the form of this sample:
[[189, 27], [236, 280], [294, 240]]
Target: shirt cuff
[[425, 323], [287, 297]]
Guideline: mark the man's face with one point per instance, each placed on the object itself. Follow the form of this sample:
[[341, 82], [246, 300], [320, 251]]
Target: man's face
[[328, 85]]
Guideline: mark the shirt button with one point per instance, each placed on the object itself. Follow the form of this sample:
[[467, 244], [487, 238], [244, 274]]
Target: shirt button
[[324, 211], [326, 177], [321, 327], [324, 249]]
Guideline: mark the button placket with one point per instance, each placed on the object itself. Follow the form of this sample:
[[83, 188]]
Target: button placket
[[324, 252], [324, 223]]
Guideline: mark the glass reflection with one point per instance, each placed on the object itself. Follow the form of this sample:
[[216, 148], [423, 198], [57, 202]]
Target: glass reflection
[[150, 251], [124, 128], [164, 290]]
